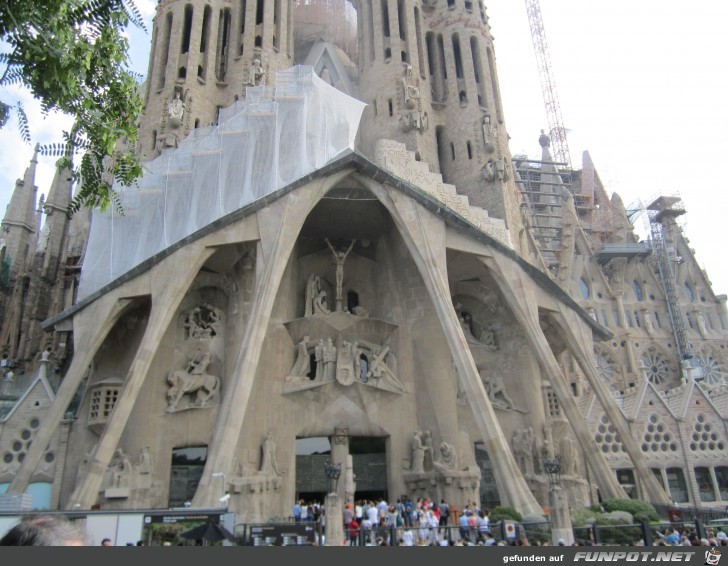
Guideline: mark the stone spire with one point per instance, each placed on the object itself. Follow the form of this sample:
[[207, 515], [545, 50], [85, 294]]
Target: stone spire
[[20, 221]]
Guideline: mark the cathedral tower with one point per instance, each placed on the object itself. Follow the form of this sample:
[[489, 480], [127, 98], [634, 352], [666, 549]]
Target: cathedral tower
[[203, 56]]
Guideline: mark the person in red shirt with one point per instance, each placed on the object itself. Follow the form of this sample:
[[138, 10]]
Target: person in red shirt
[[353, 531]]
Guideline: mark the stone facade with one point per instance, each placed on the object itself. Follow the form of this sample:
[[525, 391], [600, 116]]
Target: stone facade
[[404, 294]]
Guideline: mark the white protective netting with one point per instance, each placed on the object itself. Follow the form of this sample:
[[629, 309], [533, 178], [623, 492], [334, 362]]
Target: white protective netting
[[277, 135]]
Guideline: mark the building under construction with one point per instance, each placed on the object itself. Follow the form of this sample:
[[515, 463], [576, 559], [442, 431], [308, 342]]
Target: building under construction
[[333, 256]]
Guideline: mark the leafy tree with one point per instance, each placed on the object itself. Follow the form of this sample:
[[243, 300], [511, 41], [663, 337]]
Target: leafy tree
[[72, 55], [507, 513], [640, 510]]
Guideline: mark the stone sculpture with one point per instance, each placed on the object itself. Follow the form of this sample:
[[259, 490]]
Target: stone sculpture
[[194, 380], [339, 259]]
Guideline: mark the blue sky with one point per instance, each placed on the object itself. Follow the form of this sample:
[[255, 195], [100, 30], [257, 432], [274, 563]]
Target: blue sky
[[642, 86]]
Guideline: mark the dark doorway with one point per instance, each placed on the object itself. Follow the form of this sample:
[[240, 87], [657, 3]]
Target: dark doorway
[[187, 466]]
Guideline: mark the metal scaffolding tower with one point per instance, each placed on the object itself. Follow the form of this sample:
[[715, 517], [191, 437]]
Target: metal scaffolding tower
[[660, 209], [557, 132]]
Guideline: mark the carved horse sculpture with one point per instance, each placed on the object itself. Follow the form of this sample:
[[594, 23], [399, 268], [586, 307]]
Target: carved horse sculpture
[[204, 386]]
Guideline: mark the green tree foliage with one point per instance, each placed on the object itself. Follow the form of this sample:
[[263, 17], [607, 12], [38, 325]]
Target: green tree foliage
[[507, 513], [72, 55], [640, 510]]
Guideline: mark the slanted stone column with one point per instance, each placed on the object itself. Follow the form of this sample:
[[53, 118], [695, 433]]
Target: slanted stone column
[[279, 226], [90, 327], [584, 357], [514, 287], [170, 281], [424, 236]]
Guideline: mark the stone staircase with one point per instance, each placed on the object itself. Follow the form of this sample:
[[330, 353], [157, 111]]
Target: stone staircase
[[394, 157]]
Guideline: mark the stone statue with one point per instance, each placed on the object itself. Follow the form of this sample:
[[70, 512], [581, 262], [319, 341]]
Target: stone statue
[[202, 322], [313, 287], [256, 74], [345, 373], [501, 169], [268, 463], [176, 110], [429, 450], [417, 463], [120, 469], [145, 461], [411, 90], [569, 461], [318, 356], [359, 310], [489, 171], [649, 323], [302, 365], [193, 380], [496, 390], [487, 339], [522, 446], [339, 259], [381, 374], [488, 134], [329, 355], [701, 324], [447, 460], [356, 360], [319, 303]]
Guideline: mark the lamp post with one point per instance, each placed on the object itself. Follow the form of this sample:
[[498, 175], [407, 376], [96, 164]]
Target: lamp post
[[332, 471], [553, 471], [561, 527], [334, 513]]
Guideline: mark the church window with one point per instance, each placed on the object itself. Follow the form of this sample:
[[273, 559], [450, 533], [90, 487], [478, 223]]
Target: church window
[[637, 290], [457, 55], [277, 23], [402, 17], [420, 47], [385, 18], [477, 70], [689, 292], [103, 400], [584, 288], [259, 12], [704, 480], [187, 29], [223, 40], [721, 474], [165, 50], [676, 484], [470, 150]]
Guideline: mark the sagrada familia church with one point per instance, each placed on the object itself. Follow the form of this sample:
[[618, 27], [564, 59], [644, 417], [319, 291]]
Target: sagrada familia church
[[333, 256]]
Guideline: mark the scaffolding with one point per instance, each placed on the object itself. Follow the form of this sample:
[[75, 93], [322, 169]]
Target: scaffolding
[[543, 184], [660, 210]]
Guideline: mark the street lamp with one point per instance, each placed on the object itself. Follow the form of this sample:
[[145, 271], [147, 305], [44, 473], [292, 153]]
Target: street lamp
[[224, 485], [553, 471], [333, 471]]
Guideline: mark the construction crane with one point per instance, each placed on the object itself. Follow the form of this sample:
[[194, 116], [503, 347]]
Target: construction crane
[[557, 132]]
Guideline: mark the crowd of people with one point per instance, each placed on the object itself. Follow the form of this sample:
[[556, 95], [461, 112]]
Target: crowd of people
[[675, 536]]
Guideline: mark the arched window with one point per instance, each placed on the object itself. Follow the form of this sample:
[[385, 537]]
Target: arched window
[[584, 288], [689, 292], [637, 289]]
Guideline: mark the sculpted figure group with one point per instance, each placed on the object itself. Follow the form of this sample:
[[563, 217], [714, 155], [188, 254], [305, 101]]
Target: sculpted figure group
[[424, 458], [346, 362]]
